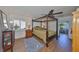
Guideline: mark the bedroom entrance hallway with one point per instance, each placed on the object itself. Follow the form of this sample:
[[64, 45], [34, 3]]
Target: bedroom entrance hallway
[[64, 44]]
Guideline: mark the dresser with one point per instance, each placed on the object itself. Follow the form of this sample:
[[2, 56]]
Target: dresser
[[28, 33]]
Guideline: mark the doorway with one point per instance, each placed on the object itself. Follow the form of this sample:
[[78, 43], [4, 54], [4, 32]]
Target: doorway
[[64, 43], [64, 28]]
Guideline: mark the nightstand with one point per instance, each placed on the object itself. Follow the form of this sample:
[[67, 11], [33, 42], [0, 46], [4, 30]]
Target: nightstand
[[28, 33]]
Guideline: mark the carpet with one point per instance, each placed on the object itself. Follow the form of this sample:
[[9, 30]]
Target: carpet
[[32, 44]]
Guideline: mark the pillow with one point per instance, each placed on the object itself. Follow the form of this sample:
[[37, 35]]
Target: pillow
[[39, 28]]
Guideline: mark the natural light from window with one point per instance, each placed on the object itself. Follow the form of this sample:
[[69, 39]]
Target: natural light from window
[[18, 24]]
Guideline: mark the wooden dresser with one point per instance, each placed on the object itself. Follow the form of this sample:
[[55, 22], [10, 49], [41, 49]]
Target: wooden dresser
[[28, 33], [75, 32]]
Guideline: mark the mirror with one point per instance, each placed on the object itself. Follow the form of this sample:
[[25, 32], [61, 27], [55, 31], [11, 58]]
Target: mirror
[[4, 16]]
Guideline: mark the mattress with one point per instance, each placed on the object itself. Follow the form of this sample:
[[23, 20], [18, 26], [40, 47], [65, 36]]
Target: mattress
[[42, 33]]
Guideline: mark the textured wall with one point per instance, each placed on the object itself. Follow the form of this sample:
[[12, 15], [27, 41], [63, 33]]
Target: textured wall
[[20, 34]]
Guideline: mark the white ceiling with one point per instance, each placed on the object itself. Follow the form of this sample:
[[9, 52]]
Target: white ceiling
[[36, 11]]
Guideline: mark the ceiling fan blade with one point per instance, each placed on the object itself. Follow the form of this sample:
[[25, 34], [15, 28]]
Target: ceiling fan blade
[[50, 12], [57, 13]]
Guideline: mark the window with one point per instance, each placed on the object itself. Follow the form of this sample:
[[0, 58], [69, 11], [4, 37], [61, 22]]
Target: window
[[4, 21], [18, 24], [22, 24], [5, 25]]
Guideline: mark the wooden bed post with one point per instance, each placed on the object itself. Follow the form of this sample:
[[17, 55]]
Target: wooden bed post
[[32, 25], [54, 19], [56, 29], [47, 32], [41, 23]]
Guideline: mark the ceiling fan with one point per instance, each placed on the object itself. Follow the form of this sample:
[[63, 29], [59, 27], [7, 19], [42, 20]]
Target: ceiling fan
[[51, 13]]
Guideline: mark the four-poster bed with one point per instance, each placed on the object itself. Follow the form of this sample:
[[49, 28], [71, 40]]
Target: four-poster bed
[[44, 33]]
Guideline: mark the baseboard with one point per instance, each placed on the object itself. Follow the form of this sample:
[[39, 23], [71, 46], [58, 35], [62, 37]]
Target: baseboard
[[20, 38]]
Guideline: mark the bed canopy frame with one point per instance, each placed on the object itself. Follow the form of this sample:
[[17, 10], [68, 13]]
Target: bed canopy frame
[[40, 20]]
